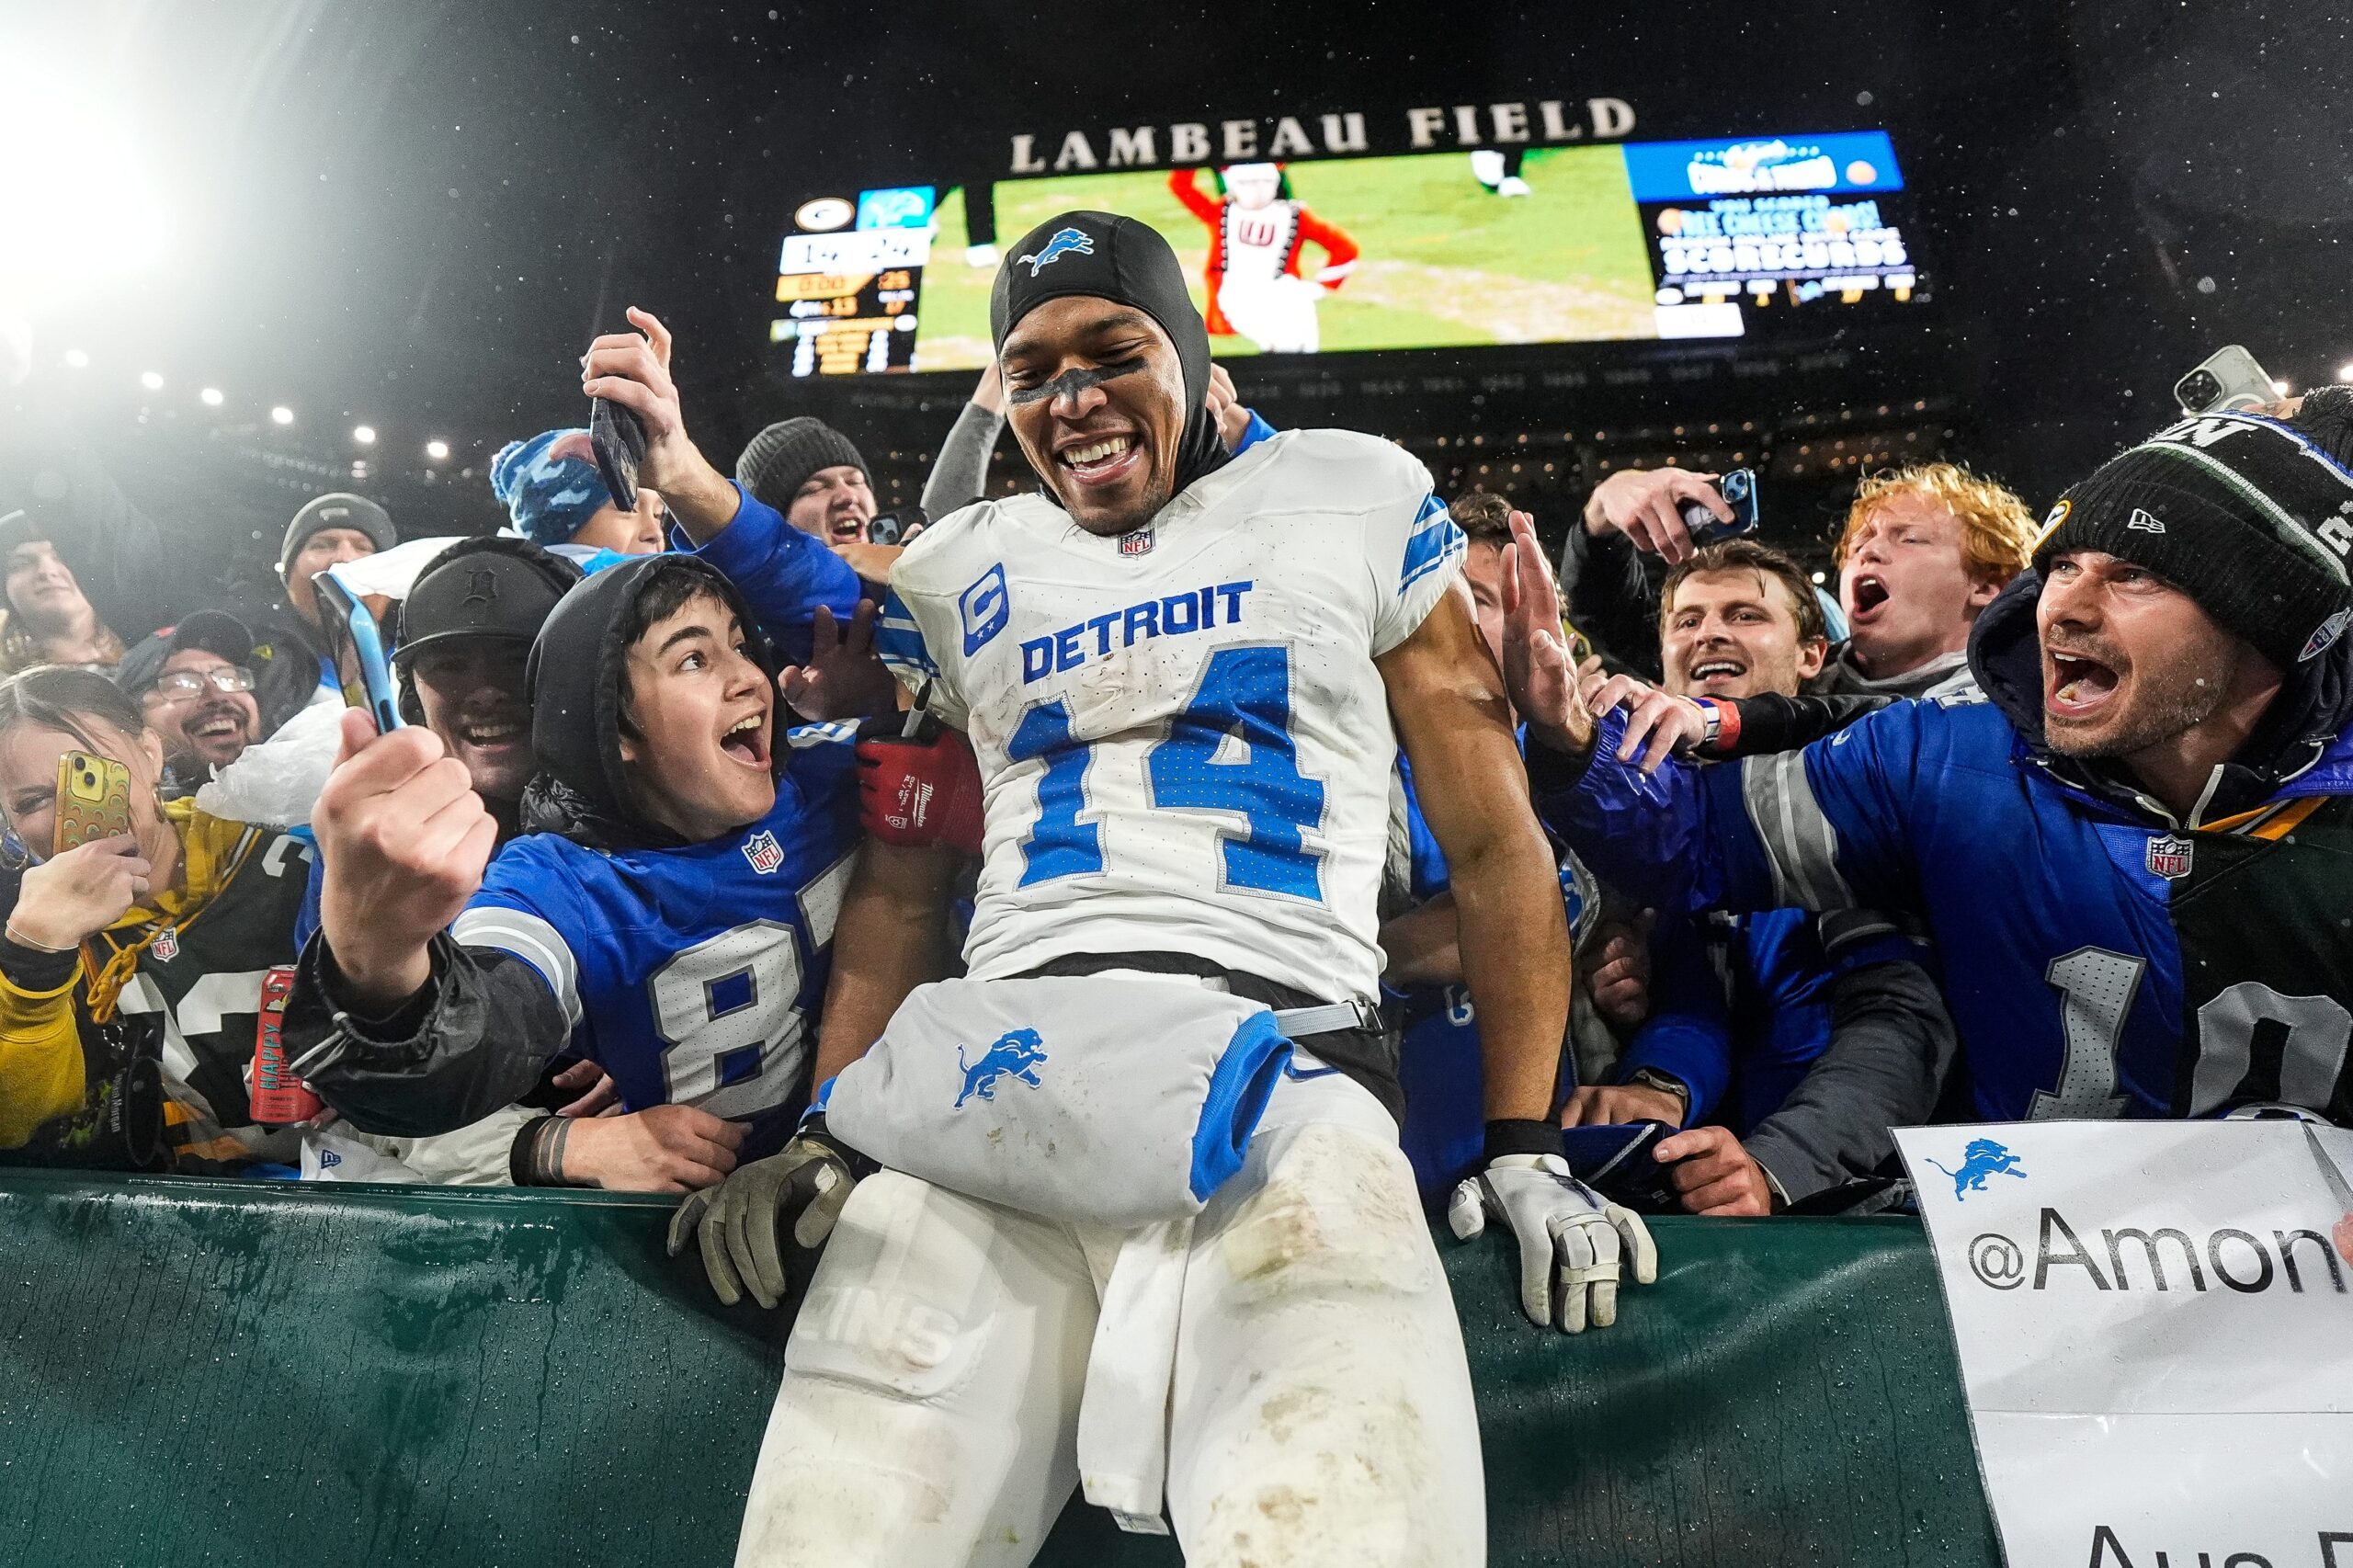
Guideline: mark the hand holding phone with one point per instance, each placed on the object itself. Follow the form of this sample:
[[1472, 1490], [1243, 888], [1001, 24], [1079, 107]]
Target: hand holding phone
[[92, 799], [618, 437], [348, 620], [1739, 490]]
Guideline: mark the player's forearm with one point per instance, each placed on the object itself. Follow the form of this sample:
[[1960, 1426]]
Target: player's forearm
[[1515, 947], [891, 937]]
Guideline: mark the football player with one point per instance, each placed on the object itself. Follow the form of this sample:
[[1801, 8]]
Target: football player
[[1179, 671], [1256, 231]]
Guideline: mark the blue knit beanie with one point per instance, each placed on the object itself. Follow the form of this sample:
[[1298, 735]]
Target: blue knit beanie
[[549, 485]]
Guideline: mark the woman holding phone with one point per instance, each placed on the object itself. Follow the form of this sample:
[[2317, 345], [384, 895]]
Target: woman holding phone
[[132, 966]]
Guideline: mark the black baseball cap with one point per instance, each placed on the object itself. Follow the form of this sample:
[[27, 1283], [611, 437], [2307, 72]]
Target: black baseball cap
[[499, 587], [215, 632]]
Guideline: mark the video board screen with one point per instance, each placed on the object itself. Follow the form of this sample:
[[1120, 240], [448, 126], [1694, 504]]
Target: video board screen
[[1435, 250]]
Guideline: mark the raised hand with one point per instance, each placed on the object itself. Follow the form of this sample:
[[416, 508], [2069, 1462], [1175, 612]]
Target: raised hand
[[844, 677], [74, 895], [1538, 672], [402, 841], [1647, 505]]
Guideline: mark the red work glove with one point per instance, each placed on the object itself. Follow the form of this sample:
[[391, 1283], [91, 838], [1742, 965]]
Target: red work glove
[[919, 791]]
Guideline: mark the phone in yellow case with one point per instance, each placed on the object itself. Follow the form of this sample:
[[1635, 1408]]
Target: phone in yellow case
[[93, 799]]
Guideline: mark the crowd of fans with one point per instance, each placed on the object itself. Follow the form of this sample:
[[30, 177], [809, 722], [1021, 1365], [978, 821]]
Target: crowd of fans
[[1781, 953]]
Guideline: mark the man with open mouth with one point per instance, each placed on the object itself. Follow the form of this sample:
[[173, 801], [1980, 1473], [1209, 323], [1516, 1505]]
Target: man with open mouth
[[666, 911], [195, 686], [810, 471], [1746, 1006], [2132, 851], [1924, 551]]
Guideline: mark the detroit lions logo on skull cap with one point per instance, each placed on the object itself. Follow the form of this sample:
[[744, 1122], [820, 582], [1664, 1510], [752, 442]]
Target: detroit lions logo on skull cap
[[1065, 242]]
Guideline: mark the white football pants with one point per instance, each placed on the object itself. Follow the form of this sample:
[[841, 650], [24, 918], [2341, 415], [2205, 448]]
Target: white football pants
[[1321, 1409]]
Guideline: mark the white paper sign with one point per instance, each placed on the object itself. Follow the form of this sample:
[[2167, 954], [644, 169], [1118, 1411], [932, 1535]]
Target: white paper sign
[[2155, 1329]]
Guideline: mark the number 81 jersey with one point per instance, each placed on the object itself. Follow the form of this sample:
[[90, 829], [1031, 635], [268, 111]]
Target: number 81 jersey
[[1184, 741]]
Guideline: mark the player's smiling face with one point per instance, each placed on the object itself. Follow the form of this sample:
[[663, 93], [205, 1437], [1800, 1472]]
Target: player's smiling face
[[696, 739], [1095, 396]]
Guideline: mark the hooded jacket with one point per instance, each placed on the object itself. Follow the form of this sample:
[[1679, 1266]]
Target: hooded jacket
[[2101, 958], [603, 932]]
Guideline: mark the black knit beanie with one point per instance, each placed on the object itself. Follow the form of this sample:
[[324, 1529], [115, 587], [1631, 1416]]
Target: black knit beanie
[[778, 461], [2251, 517]]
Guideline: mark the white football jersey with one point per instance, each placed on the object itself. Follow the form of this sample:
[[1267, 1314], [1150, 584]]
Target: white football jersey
[[1184, 745]]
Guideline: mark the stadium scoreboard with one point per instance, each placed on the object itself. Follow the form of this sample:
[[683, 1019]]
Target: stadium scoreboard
[[1626, 241]]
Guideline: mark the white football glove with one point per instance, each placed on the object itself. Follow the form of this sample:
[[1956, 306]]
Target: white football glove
[[1572, 1240]]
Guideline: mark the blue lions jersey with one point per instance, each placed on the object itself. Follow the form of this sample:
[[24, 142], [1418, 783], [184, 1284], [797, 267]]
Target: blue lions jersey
[[691, 975], [2097, 963]]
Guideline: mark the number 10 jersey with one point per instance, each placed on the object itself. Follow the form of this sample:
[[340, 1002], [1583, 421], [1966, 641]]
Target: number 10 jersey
[[1185, 744]]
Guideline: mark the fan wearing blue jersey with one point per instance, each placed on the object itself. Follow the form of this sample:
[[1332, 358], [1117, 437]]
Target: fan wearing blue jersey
[[666, 915], [2130, 853], [1185, 678]]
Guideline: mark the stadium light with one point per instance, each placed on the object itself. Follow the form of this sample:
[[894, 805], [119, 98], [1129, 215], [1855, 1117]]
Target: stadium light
[[437, 449], [209, 397], [151, 379], [364, 434], [2282, 388], [2344, 371], [78, 358], [281, 414], [84, 212]]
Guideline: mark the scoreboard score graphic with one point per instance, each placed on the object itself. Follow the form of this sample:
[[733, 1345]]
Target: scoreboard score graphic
[[1713, 239], [848, 298]]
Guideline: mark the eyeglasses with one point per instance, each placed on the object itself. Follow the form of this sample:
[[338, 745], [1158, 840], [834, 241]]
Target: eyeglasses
[[180, 685]]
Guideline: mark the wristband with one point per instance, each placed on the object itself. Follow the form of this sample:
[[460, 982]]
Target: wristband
[[1727, 727], [1515, 1135], [544, 1165]]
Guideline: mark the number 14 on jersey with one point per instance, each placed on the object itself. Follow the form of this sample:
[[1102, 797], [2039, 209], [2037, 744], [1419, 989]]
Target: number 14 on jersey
[[1244, 697]]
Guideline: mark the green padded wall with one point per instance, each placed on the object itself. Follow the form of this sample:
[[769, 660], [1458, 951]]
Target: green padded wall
[[196, 1372]]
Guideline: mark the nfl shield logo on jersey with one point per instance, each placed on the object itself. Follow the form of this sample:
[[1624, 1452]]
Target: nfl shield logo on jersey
[[2169, 855], [764, 852], [167, 944], [1137, 543]]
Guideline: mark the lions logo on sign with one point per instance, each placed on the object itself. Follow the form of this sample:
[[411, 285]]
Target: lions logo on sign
[[2169, 855], [764, 852]]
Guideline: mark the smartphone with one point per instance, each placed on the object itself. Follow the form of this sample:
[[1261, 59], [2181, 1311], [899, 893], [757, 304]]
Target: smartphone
[[93, 799], [896, 526], [619, 435], [2230, 379], [1739, 490], [350, 620]]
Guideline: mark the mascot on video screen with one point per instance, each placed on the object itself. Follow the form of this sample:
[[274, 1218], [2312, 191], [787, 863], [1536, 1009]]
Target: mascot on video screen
[[1256, 231]]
